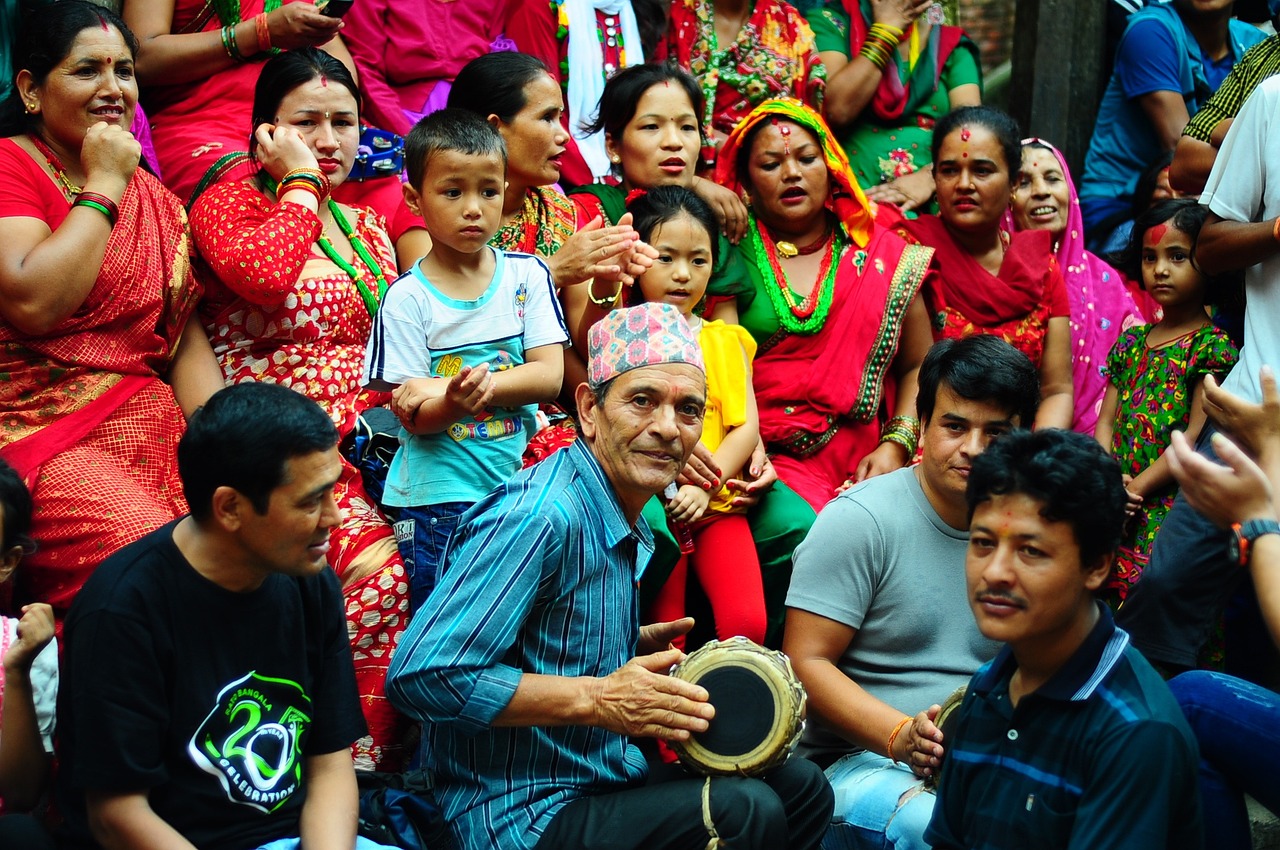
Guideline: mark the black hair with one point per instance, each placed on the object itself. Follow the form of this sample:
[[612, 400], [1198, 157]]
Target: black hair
[[1069, 474], [15, 500], [242, 438], [999, 124], [1187, 215], [283, 73], [48, 32], [449, 129], [494, 84], [622, 93], [661, 204], [980, 368]]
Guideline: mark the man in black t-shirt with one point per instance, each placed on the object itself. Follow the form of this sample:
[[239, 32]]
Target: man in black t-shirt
[[208, 697]]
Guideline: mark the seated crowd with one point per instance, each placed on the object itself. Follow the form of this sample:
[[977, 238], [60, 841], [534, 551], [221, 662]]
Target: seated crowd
[[708, 319]]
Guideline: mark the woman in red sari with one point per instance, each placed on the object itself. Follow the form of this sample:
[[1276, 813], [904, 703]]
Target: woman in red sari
[[990, 280], [298, 278], [100, 354], [840, 327]]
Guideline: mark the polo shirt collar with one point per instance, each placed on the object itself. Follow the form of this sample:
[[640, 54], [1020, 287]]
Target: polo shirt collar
[[616, 527], [1084, 671]]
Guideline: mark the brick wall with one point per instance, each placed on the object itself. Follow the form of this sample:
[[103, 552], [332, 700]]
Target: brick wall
[[990, 24]]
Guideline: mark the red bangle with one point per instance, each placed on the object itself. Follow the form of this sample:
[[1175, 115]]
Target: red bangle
[[893, 736], [263, 30], [290, 185], [96, 198]]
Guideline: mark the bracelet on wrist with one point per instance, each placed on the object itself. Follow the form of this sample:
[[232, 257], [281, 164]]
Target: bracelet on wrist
[[101, 203], [604, 303], [230, 45], [893, 737], [263, 32]]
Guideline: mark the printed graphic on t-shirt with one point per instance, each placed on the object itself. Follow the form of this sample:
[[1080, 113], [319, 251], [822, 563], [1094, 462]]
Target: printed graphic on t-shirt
[[252, 740]]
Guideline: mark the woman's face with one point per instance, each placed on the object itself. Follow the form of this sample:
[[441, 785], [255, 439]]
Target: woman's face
[[972, 179], [93, 83], [1042, 196], [325, 113], [789, 181], [659, 145], [535, 138]]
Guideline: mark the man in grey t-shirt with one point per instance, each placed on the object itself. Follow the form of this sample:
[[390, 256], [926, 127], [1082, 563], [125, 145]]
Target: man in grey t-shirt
[[878, 621]]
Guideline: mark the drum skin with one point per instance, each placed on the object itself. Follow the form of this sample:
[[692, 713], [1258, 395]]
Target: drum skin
[[760, 709]]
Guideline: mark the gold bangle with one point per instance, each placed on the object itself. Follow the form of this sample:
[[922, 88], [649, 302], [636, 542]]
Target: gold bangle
[[603, 303]]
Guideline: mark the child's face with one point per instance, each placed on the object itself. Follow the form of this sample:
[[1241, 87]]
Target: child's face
[[460, 199], [1167, 273], [679, 276]]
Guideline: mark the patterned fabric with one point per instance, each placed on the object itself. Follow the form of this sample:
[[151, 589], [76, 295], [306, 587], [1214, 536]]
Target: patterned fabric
[[542, 226], [850, 205], [84, 416], [645, 335], [1259, 62], [773, 56], [1155, 387], [279, 310], [893, 136]]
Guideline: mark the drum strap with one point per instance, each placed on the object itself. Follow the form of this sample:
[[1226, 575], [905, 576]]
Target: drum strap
[[706, 817]]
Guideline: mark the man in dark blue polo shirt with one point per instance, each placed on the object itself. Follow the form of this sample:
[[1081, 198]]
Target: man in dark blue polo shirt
[[1068, 738]]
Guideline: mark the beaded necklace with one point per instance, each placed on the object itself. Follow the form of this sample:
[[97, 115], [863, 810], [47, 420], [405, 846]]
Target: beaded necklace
[[371, 301], [807, 317], [59, 173]]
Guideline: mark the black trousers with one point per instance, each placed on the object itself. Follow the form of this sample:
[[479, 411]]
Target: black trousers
[[788, 808], [23, 832]]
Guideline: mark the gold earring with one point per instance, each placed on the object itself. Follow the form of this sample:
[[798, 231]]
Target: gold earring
[[31, 107], [615, 159]]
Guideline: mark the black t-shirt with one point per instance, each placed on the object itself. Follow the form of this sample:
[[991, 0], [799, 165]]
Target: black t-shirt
[[209, 699]]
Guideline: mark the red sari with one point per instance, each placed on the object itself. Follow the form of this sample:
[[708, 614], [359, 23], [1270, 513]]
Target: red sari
[[281, 311], [84, 416], [1015, 305]]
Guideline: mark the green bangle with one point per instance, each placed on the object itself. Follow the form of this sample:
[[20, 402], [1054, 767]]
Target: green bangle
[[85, 202], [229, 43]]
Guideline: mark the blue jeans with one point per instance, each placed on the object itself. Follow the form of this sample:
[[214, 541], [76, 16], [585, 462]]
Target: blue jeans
[[296, 844], [1235, 723], [422, 535], [870, 812]]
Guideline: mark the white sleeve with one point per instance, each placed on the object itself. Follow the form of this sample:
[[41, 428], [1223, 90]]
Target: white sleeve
[[397, 348], [1236, 188], [44, 686], [543, 320]]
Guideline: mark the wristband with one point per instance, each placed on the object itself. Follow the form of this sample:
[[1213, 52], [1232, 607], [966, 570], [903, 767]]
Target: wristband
[[263, 31], [229, 44], [603, 303], [893, 737], [94, 205]]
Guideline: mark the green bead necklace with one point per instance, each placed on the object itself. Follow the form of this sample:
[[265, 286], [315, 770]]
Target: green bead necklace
[[807, 317], [371, 301]]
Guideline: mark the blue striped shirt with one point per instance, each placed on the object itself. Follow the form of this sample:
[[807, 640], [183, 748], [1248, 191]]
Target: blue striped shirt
[[540, 577]]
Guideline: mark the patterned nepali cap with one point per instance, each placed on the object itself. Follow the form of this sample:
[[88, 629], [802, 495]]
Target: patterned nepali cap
[[645, 335]]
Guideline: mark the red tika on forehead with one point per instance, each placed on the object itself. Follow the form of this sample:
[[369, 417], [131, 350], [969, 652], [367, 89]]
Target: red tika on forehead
[[1155, 234], [965, 134], [324, 81]]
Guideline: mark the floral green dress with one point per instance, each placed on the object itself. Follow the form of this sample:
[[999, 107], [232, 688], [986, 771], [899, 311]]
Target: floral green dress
[[1155, 386]]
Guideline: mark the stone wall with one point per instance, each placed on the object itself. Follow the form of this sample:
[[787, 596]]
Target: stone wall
[[990, 24]]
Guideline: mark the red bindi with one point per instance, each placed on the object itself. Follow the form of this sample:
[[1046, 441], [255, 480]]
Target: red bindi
[[105, 26], [1156, 233], [965, 134], [324, 81]]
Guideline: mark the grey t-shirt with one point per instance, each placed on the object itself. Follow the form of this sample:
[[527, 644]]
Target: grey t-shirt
[[880, 560]]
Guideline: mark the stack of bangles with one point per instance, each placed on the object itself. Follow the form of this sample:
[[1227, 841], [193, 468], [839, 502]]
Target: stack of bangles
[[893, 737], [880, 43], [101, 203], [903, 430], [311, 180], [230, 45], [263, 31]]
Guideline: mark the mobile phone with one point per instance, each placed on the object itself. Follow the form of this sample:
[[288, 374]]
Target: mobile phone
[[335, 8]]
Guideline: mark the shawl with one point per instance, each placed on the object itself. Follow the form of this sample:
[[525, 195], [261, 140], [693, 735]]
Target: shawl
[[586, 61], [983, 298], [546, 220], [850, 206], [1101, 307], [895, 97]]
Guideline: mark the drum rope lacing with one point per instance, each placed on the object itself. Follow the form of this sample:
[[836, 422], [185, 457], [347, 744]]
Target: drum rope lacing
[[706, 817]]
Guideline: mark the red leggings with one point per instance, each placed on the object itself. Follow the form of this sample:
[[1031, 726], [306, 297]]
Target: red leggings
[[724, 560]]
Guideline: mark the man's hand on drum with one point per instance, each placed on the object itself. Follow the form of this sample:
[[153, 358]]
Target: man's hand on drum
[[640, 698], [920, 744], [657, 637]]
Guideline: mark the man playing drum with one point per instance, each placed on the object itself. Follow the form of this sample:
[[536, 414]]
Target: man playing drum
[[528, 665], [878, 628], [1069, 738]]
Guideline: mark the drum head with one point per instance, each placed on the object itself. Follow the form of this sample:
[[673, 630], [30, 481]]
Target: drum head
[[759, 708]]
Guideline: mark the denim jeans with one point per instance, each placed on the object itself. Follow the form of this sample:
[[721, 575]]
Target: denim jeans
[[1235, 724], [296, 844], [870, 812], [422, 535]]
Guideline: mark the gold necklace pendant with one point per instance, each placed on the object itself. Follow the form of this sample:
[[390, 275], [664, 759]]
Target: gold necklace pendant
[[787, 250]]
